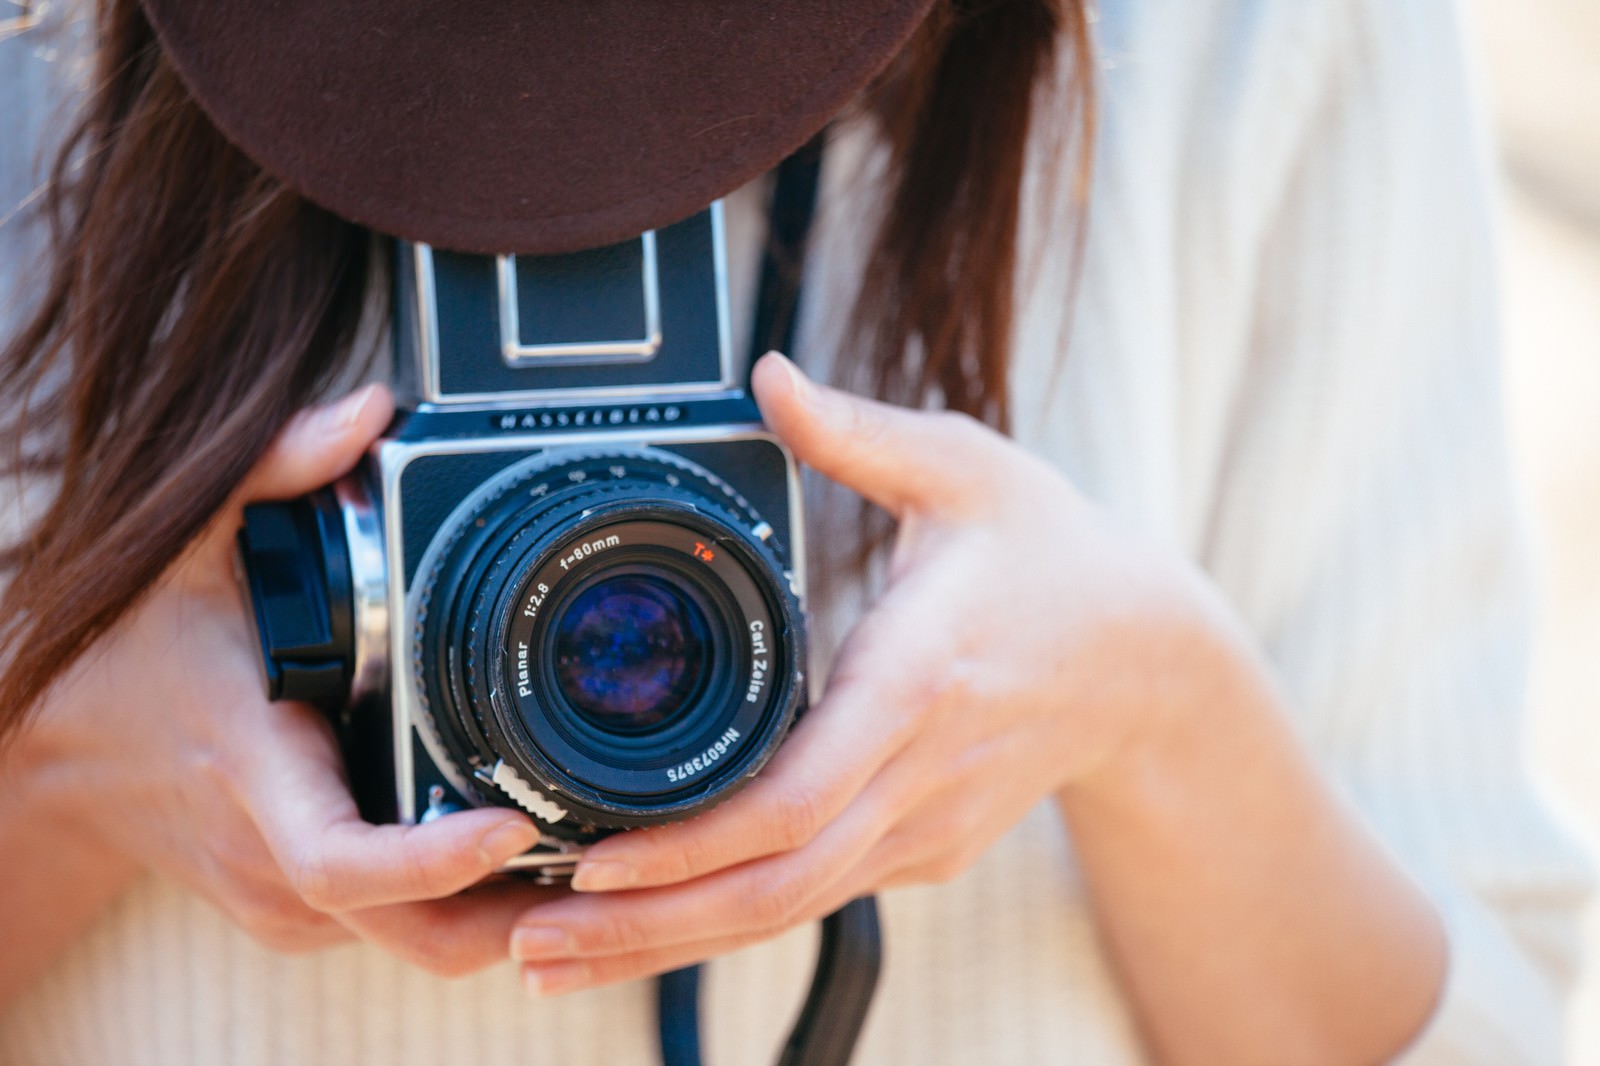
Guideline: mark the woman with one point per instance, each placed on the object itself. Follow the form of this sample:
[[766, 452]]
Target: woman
[[1199, 690]]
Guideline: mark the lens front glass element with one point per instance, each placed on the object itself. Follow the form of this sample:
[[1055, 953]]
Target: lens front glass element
[[631, 652]]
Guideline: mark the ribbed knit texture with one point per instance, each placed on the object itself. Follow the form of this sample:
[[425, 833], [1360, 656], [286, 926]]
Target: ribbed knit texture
[[1283, 364]]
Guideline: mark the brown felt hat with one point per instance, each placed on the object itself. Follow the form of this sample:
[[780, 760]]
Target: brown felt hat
[[534, 126]]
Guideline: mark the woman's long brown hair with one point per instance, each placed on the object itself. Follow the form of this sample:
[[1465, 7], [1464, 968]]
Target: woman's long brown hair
[[193, 303]]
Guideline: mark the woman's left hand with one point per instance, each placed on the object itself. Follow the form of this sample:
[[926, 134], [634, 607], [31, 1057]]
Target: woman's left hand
[[1019, 648]]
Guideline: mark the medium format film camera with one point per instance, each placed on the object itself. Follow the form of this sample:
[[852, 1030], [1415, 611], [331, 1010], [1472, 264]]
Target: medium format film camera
[[569, 577]]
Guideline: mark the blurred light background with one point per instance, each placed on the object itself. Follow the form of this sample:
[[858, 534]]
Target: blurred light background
[[1540, 67], [1540, 61]]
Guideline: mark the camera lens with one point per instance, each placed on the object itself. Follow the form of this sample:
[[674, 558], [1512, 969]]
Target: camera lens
[[605, 639], [631, 652]]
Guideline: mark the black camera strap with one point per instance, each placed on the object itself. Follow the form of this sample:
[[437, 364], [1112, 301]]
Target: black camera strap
[[783, 264], [849, 959], [835, 1011], [850, 954]]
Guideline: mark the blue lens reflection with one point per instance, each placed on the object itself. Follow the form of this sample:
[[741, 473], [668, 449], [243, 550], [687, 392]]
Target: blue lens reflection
[[630, 652]]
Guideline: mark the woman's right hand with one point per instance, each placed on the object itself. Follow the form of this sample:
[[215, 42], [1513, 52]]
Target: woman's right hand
[[159, 745]]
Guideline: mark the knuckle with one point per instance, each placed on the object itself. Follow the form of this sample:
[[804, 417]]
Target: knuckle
[[865, 423], [951, 866], [691, 855], [965, 431], [432, 949], [226, 858], [779, 903], [956, 423], [282, 926], [212, 767], [947, 689], [682, 852], [623, 935], [971, 442], [675, 865], [943, 695], [797, 817], [425, 879], [314, 882], [898, 859]]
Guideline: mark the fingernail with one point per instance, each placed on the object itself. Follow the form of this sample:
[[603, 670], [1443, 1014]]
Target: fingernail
[[797, 380], [606, 875], [553, 980], [542, 942], [505, 842]]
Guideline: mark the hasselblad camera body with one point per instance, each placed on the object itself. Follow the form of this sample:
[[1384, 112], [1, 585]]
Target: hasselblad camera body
[[569, 578]]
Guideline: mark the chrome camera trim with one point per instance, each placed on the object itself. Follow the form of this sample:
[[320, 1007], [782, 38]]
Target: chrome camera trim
[[369, 579], [521, 355], [434, 397]]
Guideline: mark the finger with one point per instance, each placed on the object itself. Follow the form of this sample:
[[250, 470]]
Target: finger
[[253, 892], [557, 977], [950, 829], [866, 718], [280, 922], [898, 458], [236, 872], [574, 975], [759, 898], [452, 937], [935, 845], [941, 841], [319, 445], [336, 861]]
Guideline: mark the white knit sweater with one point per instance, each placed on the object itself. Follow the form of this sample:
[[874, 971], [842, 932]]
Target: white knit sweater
[[1282, 364]]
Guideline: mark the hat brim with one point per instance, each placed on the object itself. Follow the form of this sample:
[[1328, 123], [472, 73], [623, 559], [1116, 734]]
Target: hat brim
[[513, 125]]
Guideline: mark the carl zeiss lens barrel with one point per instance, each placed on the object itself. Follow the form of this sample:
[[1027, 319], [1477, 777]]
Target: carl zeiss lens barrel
[[610, 634]]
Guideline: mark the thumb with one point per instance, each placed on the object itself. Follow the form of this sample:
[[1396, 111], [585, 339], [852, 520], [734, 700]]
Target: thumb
[[899, 458], [319, 445]]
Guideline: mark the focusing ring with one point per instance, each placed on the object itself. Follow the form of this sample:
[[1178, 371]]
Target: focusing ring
[[491, 715]]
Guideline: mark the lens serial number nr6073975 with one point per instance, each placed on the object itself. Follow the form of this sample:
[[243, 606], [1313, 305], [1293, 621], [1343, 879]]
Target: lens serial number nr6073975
[[685, 770]]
